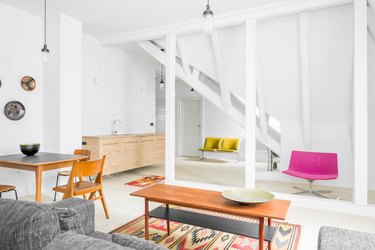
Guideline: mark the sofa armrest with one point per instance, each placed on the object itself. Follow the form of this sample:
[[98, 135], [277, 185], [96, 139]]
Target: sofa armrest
[[344, 239], [76, 215], [134, 242]]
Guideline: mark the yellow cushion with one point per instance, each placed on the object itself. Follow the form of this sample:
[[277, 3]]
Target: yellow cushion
[[212, 143], [230, 144]]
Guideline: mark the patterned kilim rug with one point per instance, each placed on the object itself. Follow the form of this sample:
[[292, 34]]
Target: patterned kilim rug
[[187, 237], [146, 181]]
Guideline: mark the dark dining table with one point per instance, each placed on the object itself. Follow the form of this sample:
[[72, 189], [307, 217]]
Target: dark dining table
[[38, 164]]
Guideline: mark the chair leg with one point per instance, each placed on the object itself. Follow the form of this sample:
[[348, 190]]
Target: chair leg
[[92, 195], [104, 203], [90, 178], [57, 183], [15, 193], [1, 194]]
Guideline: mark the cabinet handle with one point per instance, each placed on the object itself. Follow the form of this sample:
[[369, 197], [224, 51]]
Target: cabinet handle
[[84, 143]]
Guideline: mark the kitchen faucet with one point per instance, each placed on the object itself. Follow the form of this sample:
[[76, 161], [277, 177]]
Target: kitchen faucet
[[113, 129]]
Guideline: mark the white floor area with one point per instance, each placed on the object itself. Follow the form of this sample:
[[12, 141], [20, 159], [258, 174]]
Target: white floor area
[[123, 208]]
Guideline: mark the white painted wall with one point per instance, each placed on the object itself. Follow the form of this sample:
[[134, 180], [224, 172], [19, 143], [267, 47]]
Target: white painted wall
[[124, 89], [20, 44]]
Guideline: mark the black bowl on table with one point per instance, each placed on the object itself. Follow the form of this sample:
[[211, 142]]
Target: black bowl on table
[[30, 149]]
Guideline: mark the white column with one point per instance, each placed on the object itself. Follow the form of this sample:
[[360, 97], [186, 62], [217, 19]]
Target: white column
[[360, 103], [170, 103], [251, 79], [63, 85], [303, 22]]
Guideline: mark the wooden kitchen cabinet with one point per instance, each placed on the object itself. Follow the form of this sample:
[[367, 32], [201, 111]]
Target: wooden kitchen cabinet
[[125, 152]]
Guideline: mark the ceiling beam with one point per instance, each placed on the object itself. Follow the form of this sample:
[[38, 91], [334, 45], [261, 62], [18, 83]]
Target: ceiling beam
[[222, 21]]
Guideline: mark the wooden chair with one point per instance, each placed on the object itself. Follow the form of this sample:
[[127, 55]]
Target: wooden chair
[[8, 188], [82, 169], [67, 172]]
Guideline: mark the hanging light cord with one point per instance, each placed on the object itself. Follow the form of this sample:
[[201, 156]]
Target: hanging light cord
[[45, 22]]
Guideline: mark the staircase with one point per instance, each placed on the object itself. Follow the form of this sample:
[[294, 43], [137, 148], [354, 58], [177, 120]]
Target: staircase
[[210, 89]]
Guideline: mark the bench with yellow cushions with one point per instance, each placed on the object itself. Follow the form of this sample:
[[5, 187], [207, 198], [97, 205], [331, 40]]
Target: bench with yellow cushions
[[221, 145]]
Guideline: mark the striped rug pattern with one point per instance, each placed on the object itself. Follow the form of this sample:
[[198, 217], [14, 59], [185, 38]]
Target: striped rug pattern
[[186, 237]]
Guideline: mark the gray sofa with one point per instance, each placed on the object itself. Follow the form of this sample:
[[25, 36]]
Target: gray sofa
[[332, 238], [67, 224]]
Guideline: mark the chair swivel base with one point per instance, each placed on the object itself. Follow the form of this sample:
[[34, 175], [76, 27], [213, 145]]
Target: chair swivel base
[[310, 191]]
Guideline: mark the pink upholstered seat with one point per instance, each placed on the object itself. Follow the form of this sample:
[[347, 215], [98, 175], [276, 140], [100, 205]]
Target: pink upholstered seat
[[313, 165]]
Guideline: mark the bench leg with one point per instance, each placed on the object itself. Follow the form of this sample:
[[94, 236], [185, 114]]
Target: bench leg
[[202, 155]]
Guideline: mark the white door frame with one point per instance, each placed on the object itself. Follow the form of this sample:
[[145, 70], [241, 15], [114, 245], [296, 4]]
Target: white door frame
[[179, 120]]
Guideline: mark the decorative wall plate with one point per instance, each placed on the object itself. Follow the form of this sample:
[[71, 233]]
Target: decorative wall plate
[[14, 110], [28, 83]]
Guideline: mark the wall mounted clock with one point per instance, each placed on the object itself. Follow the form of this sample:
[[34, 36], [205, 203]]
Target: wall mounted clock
[[14, 110], [28, 83]]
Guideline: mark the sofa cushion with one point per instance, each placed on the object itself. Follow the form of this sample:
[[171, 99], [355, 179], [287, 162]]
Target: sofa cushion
[[344, 239], [76, 214], [134, 242], [72, 240], [26, 225]]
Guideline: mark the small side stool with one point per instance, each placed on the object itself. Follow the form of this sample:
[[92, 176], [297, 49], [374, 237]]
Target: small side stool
[[7, 188]]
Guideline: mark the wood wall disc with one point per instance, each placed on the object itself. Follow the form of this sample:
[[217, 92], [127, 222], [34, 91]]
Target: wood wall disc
[[28, 83], [14, 110]]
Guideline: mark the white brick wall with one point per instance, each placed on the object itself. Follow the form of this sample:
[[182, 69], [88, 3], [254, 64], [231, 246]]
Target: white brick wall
[[20, 44], [125, 90]]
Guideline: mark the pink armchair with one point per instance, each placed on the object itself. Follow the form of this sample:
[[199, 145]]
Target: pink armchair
[[313, 166]]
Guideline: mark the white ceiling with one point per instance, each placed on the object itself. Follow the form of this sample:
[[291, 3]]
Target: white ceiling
[[105, 17]]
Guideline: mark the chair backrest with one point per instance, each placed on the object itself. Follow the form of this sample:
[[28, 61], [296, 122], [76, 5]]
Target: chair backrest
[[85, 152], [230, 144], [84, 169], [88, 168], [213, 143], [314, 162]]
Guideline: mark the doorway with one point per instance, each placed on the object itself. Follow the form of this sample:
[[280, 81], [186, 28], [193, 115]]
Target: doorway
[[190, 131]]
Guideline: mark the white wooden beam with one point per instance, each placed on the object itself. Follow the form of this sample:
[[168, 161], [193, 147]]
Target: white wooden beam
[[170, 106], [196, 73], [181, 45], [251, 51], [224, 87], [360, 104], [261, 105], [303, 30], [206, 92], [221, 21]]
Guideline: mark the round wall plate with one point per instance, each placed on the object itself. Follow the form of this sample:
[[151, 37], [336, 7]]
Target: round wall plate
[[28, 83], [14, 110]]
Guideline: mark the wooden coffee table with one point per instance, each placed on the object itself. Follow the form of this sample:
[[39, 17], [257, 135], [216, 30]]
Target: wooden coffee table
[[212, 201]]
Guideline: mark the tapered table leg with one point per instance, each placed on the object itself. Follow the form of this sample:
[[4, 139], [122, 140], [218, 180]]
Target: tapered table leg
[[38, 184], [270, 242], [146, 219], [261, 233], [168, 222]]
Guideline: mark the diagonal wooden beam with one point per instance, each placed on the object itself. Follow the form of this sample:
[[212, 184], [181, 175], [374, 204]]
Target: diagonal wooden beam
[[303, 26], [181, 44], [224, 86], [206, 92]]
